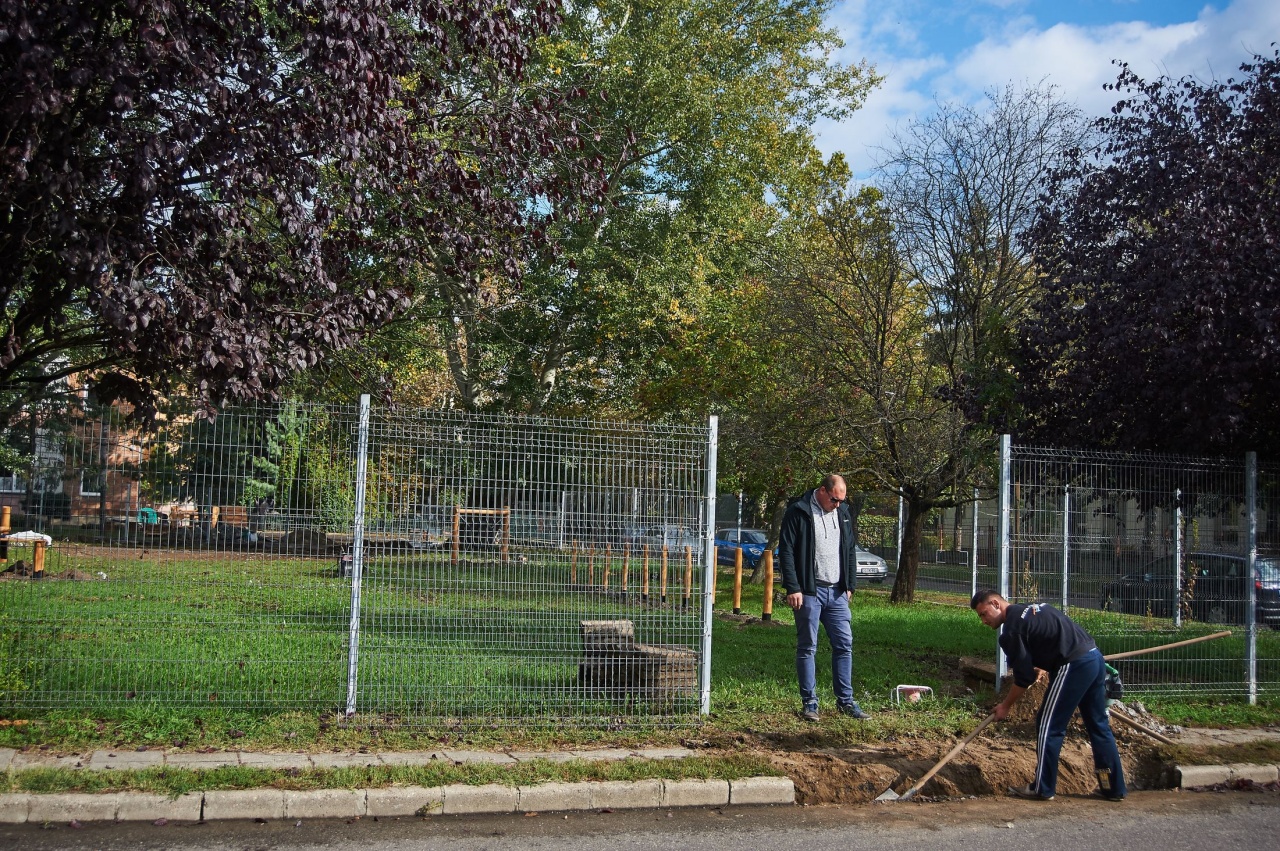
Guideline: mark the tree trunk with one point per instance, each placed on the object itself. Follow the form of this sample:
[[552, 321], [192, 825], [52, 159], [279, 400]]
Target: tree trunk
[[775, 527], [904, 584]]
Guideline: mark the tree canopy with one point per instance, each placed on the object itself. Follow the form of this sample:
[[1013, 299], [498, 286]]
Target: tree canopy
[[220, 192], [703, 115], [1158, 324]]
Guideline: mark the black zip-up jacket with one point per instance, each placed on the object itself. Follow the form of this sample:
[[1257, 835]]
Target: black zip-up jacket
[[1040, 636], [796, 560]]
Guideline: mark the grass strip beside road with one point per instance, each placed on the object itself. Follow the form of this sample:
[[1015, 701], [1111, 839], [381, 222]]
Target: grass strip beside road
[[176, 781]]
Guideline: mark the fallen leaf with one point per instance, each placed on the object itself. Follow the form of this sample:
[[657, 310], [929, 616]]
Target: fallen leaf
[[160, 822], [530, 815], [77, 825]]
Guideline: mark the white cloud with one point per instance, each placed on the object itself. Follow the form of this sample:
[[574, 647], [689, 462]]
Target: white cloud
[[1076, 59]]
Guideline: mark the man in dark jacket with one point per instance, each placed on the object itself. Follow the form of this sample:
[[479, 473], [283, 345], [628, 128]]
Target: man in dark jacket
[[816, 556], [1040, 636]]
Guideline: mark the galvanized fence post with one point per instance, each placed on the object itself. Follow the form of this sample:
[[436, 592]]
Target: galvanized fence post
[[1177, 559], [357, 553], [1250, 562], [898, 547], [1006, 463], [709, 562], [1066, 540], [974, 558]]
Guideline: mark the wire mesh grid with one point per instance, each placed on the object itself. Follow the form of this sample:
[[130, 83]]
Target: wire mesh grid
[[1144, 550], [498, 569]]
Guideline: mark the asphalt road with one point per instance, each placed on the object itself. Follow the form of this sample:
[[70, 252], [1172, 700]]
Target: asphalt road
[[1161, 821]]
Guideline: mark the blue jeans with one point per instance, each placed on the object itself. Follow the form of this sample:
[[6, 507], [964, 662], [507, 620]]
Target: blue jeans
[[830, 608], [1082, 684]]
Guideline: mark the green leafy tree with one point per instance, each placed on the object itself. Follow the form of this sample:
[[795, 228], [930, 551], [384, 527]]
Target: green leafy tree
[[701, 112]]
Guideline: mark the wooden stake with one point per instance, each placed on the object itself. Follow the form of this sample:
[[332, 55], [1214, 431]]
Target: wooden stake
[[688, 576], [737, 581], [767, 612], [662, 576]]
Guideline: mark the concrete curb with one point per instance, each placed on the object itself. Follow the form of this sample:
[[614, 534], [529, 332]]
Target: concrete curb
[[393, 802], [1190, 776]]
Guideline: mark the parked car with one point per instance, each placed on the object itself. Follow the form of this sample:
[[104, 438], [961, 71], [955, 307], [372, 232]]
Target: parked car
[[670, 535], [1214, 589], [752, 542], [871, 567]]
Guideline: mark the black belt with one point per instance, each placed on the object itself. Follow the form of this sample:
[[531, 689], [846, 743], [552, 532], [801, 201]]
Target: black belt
[[822, 584]]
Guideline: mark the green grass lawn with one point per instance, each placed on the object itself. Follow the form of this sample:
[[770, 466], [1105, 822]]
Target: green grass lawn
[[211, 650]]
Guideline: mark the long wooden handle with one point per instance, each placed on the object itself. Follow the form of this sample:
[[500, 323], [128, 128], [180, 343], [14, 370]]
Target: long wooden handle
[[1146, 650], [950, 754], [1159, 737]]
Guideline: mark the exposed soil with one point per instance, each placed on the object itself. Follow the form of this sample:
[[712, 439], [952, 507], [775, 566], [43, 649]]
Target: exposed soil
[[1003, 755]]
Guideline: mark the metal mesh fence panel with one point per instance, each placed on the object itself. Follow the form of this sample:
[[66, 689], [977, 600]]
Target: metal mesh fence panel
[[481, 569], [554, 569], [1144, 550]]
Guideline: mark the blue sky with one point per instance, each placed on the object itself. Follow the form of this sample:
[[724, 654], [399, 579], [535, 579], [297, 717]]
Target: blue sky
[[931, 50]]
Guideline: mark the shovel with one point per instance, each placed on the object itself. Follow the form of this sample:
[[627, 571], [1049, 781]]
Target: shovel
[[890, 795]]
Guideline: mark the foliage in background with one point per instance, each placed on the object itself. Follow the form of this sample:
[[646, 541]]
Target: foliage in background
[[215, 196], [703, 118], [1157, 325]]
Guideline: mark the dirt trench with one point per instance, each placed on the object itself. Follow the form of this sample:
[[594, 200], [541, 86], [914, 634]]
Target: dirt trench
[[1003, 755]]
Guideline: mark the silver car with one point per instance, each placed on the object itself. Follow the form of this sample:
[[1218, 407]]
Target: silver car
[[871, 567]]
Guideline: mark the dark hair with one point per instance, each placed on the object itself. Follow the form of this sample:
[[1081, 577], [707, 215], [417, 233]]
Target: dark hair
[[983, 595]]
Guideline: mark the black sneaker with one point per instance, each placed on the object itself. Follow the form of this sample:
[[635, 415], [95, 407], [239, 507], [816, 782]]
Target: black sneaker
[[853, 711], [1028, 793], [809, 713], [1107, 796]]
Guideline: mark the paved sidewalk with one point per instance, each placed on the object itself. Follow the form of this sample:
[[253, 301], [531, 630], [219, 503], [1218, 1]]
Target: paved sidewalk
[[386, 802], [151, 758]]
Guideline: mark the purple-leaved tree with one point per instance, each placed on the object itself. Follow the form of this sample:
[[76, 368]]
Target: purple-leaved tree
[[211, 195], [1159, 325]]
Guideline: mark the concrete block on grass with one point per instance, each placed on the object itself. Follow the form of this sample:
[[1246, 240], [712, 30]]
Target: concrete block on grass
[[626, 794], [400, 801], [762, 790], [244, 804], [63, 808], [695, 793], [550, 797], [492, 798], [14, 807], [144, 806], [6, 757]]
